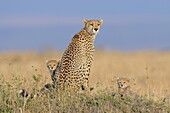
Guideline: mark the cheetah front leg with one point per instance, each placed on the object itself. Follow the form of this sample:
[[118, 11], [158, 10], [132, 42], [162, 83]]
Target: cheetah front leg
[[86, 86]]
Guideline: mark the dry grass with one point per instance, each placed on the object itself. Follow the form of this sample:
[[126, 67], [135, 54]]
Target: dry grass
[[148, 70], [149, 73]]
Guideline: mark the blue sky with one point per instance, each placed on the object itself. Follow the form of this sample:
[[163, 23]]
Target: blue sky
[[131, 25]]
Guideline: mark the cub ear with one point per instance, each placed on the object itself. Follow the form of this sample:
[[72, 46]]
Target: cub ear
[[58, 61], [117, 78], [101, 21], [46, 61], [85, 21]]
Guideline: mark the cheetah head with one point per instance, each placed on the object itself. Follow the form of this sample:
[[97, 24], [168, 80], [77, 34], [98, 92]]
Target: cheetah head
[[92, 26], [123, 83], [52, 64]]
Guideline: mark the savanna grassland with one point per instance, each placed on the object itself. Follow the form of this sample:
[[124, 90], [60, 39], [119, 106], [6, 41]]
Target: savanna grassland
[[149, 75]]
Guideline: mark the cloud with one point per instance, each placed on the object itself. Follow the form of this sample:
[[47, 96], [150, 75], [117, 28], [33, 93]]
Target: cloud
[[137, 19], [72, 21], [38, 21]]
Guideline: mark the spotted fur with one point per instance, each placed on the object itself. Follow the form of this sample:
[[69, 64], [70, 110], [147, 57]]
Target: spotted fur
[[77, 59], [53, 66], [123, 86], [124, 89]]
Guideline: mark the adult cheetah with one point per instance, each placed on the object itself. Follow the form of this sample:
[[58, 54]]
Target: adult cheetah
[[77, 59]]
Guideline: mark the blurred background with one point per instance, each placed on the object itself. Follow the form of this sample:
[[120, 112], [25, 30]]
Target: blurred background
[[38, 25], [134, 40]]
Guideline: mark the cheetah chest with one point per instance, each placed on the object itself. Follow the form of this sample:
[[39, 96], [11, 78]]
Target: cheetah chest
[[77, 61]]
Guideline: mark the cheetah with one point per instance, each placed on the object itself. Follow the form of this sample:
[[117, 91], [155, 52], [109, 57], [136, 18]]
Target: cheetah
[[27, 94], [47, 89], [124, 88], [53, 66], [77, 59]]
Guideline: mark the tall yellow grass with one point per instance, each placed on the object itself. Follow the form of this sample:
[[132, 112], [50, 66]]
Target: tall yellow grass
[[148, 71]]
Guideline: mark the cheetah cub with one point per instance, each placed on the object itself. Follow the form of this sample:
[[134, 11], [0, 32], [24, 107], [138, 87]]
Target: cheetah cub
[[54, 67], [124, 88]]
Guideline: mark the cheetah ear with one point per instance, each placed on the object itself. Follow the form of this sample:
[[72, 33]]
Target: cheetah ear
[[46, 61], [58, 61], [101, 21], [117, 78], [128, 79], [85, 21]]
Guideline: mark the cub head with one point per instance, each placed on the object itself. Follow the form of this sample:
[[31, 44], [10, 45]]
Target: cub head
[[92, 26], [52, 64], [123, 83]]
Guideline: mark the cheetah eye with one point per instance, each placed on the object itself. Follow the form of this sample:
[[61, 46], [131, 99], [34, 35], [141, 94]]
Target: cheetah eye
[[124, 82], [98, 24], [91, 24]]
